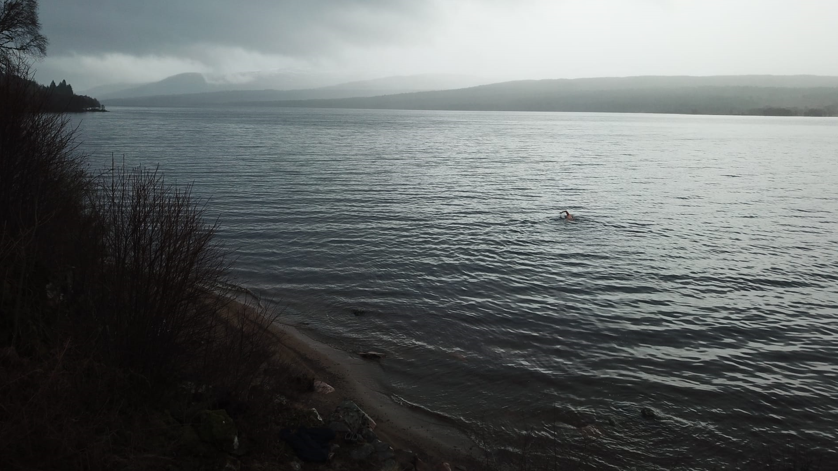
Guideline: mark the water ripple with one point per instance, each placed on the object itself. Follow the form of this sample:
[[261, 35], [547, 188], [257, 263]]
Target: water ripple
[[699, 277]]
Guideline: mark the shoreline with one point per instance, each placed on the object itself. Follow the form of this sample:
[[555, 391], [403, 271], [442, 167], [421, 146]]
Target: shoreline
[[355, 379]]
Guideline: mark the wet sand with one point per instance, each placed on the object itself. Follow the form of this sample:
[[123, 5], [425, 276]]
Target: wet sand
[[354, 378]]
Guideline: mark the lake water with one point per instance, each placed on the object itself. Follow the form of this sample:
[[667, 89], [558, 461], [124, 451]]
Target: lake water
[[699, 279]]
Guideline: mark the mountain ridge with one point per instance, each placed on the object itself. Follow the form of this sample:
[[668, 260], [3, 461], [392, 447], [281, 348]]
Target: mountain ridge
[[773, 95], [194, 83], [738, 94]]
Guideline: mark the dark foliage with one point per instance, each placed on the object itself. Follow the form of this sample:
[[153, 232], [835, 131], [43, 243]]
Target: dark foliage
[[20, 34], [109, 299], [42, 191], [158, 264], [60, 99]]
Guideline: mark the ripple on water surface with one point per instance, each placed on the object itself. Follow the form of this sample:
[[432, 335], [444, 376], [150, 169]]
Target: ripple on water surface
[[698, 279]]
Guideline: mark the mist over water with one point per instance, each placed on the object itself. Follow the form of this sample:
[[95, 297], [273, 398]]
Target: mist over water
[[700, 277]]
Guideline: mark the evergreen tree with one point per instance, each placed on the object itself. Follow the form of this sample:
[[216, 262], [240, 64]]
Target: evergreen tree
[[62, 88]]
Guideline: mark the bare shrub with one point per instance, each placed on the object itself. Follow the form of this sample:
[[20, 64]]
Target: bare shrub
[[237, 345], [159, 263], [20, 33], [109, 291], [42, 192]]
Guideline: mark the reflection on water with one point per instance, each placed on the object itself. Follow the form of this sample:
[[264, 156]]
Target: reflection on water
[[698, 278]]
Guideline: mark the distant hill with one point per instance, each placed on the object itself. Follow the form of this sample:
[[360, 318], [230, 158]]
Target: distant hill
[[181, 83], [413, 83], [104, 90], [768, 95], [241, 97], [193, 82], [198, 96]]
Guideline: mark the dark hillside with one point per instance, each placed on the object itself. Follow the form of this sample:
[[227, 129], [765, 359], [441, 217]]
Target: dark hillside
[[790, 96], [53, 98], [60, 98]]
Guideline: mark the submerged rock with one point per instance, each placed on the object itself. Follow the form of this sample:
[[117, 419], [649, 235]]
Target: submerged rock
[[648, 413]]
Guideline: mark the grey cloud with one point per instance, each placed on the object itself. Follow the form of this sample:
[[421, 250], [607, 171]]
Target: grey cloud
[[293, 28], [101, 41]]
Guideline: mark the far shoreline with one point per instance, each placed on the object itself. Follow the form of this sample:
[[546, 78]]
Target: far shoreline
[[273, 105]]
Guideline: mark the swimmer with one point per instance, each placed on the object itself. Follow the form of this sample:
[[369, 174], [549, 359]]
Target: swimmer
[[567, 216]]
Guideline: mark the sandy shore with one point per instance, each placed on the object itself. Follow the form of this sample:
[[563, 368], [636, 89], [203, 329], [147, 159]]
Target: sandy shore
[[355, 378]]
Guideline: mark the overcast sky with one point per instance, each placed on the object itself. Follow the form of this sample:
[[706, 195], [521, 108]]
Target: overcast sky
[[96, 42]]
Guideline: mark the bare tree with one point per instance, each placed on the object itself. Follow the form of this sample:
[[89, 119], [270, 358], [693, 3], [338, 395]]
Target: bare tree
[[20, 34]]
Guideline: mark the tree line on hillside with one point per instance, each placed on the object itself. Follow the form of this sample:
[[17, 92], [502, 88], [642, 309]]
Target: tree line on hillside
[[61, 99], [53, 98], [21, 41]]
